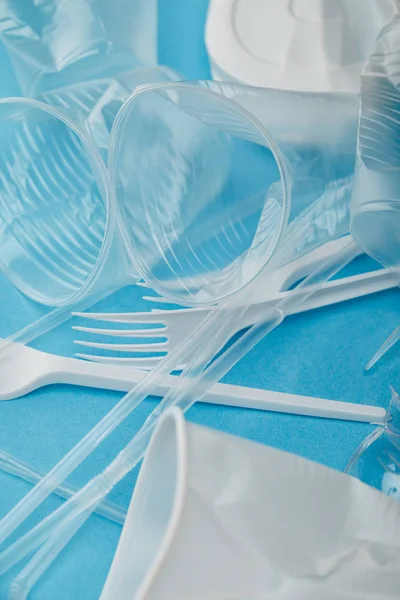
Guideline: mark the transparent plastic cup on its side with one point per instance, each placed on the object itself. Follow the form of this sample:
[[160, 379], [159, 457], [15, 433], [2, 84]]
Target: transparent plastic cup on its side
[[300, 174], [204, 542], [57, 215]]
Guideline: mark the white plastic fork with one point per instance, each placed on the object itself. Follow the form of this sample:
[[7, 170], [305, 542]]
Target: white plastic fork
[[26, 369], [168, 328]]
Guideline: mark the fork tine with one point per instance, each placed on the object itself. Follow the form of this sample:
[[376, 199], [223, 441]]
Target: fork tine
[[156, 333], [132, 317], [188, 281], [156, 347], [146, 362]]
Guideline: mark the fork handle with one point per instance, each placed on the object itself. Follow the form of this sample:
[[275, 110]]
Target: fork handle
[[332, 292], [110, 377]]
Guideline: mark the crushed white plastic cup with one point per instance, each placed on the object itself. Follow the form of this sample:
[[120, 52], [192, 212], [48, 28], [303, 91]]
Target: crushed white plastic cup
[[218, 516]]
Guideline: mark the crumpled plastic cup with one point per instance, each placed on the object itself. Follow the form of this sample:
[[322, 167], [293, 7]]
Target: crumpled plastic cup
[[218, 516], [53, 43], [59, 237]]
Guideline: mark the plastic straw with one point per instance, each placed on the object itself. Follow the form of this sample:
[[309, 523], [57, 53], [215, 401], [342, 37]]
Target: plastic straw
[[13, 466]]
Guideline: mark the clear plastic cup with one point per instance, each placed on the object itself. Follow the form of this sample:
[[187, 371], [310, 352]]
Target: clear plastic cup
[[292, 156], [57, 215], [58, 236], [53, 43]]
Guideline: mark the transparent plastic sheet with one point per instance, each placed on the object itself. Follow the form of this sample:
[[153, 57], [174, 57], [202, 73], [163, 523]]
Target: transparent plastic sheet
[[53, 43], [375, 205], [248, 128], [386, 346]]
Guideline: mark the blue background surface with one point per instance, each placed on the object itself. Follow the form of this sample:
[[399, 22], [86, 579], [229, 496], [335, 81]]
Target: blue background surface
[[320, 354]]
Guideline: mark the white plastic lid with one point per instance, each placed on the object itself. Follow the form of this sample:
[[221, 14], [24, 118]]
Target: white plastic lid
[[308, 45]]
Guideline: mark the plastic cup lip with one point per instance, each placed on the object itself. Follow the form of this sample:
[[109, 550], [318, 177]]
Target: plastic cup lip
[[113, 154], [173, 426], [369, 440], [108, 197]]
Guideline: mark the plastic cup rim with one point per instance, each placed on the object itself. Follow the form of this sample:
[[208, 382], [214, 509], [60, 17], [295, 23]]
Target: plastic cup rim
[[115, 140], [108, 199]]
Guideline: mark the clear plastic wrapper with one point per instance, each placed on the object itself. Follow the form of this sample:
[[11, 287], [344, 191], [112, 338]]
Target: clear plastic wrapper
[[53, 43]]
